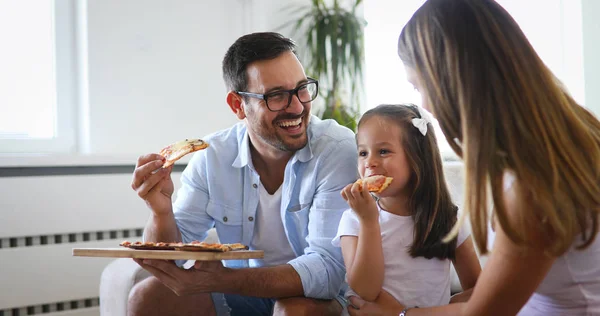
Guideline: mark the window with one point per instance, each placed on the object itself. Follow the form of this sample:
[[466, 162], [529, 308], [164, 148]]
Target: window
[[38, 65], [562, 50]]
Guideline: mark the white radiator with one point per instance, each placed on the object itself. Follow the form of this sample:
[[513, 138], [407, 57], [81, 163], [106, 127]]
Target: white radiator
[[42, 217]]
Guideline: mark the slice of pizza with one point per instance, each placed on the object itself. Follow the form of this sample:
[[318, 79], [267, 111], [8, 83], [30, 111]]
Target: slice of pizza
[[175, 151], [202, 246], [375, 184], [143, 244], [147, 245], [236, 246]]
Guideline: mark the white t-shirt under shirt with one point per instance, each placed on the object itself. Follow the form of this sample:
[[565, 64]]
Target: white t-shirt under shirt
[[411, 281], [269, 234]]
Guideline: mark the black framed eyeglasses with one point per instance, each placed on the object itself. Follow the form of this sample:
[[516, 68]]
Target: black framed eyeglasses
[[281, 99]]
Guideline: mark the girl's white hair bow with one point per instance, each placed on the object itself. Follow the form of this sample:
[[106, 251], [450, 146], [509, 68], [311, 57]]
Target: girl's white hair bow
[[421, 123]]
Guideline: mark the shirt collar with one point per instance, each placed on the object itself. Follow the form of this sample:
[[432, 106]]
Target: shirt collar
[[243, 158], [244, 154]]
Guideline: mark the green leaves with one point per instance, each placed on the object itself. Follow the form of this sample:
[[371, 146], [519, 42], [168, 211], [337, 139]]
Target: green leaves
[[333, 41], [344, 115]]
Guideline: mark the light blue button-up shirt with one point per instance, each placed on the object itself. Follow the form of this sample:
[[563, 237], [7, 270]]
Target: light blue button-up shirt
[[220, 189]]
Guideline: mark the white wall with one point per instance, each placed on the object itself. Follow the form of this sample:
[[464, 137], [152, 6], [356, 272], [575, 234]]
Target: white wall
[[591, 53], [155, 68]]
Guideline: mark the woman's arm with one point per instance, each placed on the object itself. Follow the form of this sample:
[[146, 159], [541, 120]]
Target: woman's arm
[[363, 257], [467, 268]]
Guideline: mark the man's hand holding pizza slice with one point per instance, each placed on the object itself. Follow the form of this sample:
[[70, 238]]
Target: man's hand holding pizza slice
[[152, 175]]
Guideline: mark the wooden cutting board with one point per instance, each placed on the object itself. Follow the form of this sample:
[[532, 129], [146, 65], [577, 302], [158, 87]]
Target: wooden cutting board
[[167, 254]]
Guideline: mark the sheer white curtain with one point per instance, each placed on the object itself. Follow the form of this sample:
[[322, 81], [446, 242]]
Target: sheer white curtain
[[552, 26]]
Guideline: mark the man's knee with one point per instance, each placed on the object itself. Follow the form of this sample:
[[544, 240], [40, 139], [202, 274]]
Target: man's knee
[[306, 306], [150, 297]]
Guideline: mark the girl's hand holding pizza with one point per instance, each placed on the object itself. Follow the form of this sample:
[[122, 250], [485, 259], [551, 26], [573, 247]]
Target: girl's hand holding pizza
[[360, 200]]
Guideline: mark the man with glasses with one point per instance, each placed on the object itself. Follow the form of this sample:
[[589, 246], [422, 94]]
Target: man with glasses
[[272, 182]]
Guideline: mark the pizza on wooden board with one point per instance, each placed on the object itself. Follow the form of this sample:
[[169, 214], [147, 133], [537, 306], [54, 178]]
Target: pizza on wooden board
[[375, 184], [192, 246], [176, 151]]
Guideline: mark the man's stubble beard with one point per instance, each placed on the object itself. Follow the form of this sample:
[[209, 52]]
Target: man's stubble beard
[[272, 137], [269, 134]]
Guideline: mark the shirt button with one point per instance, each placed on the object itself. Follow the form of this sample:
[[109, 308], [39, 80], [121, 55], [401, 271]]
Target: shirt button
[[255, 185], [250, 218], [224, 218]]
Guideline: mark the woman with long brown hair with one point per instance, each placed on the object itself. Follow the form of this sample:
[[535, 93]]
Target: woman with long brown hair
[[529, 151]]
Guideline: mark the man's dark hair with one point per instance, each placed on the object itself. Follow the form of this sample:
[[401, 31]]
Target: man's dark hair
[[248, 49]]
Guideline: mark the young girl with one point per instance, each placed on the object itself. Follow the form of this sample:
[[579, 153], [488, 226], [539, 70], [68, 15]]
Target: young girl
[[394, 243]]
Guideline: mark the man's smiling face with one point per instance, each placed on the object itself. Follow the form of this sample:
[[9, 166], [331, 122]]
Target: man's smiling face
[[284, 129]]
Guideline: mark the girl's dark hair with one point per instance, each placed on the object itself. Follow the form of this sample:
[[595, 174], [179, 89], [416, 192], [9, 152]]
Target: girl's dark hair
[[433, 211]]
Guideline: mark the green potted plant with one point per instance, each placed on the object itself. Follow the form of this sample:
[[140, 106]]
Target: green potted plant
[[331, 39]]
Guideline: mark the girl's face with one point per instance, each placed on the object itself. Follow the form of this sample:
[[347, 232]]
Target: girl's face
[[380, 152], [411, 76]]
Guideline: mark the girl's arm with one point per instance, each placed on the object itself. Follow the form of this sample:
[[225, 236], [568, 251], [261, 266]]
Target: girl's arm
[[467, 268], [363, 257]]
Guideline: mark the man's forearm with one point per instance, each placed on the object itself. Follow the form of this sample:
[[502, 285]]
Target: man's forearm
[[272, 282], [162, 228]]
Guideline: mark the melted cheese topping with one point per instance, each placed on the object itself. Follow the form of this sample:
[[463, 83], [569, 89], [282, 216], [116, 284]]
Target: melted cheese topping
[[186, 143]]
